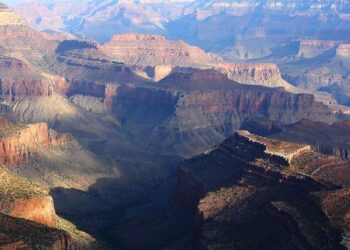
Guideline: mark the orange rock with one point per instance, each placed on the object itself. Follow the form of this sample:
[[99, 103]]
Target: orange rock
[[40, 210]]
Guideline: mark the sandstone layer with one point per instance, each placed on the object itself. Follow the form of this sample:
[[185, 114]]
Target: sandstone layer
[[144, 49], [19, 142]]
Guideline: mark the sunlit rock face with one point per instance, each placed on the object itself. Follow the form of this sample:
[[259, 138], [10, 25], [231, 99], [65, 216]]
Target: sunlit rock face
[[154, 50]]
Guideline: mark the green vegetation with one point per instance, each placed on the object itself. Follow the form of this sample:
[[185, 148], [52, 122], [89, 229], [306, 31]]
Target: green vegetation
[[14, 187]]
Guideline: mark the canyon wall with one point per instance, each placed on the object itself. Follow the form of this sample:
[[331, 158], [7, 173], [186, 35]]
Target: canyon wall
[[21, 198], [144, 49], [313, 48], [20, 141], [264, 74]]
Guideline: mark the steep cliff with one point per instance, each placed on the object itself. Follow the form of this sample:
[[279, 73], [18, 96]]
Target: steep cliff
[[21, 198], [313, 48], [18, 79], [265, 74], [19, 142]]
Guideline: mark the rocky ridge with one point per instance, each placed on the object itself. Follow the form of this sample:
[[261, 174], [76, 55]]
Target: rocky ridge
[[241, 182]]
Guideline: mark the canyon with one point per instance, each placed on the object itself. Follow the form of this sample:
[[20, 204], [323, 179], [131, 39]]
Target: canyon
[[136, 141]]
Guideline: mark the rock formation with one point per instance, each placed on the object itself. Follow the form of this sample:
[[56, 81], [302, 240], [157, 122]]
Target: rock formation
[[326, 139], [18, 79], [144, 49], [201, 107], [21, 234], [19, 142], [265, 74], [243, 195], [22, 199], [313, 48]]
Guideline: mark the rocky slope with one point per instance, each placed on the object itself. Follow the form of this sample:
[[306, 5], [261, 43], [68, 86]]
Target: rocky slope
[[22, 199], [252, 192], [144, 49], [249, 192], [21, 234], [27, 216]]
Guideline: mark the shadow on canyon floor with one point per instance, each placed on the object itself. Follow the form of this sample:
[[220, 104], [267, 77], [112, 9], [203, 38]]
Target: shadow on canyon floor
[[108, 203]]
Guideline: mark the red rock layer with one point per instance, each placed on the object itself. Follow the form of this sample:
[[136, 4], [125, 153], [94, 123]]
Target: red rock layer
[[40, 210], [18, 79], [17, 146]]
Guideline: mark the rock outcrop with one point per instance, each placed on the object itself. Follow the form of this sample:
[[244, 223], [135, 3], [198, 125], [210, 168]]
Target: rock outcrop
[[20, 41], [18, 79], [324, 138], [19, 142], [23, 199], [264, 74], [144, 49], [18, 234], [313, 48], [243, 195]]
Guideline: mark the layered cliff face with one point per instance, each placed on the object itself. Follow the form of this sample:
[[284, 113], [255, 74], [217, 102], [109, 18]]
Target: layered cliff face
[[198, 109], [265, 74], [144, 49], [328, 71], [252, 192], [19, 142], [313, 48], [20, 41], [18, 80]]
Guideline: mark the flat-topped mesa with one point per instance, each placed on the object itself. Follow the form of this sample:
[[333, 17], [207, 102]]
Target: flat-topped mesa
[[19, 142], [312, 48], [8, 17], [286, 150], [266, 74], [343, 50], [21, 198], [145, 49]]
